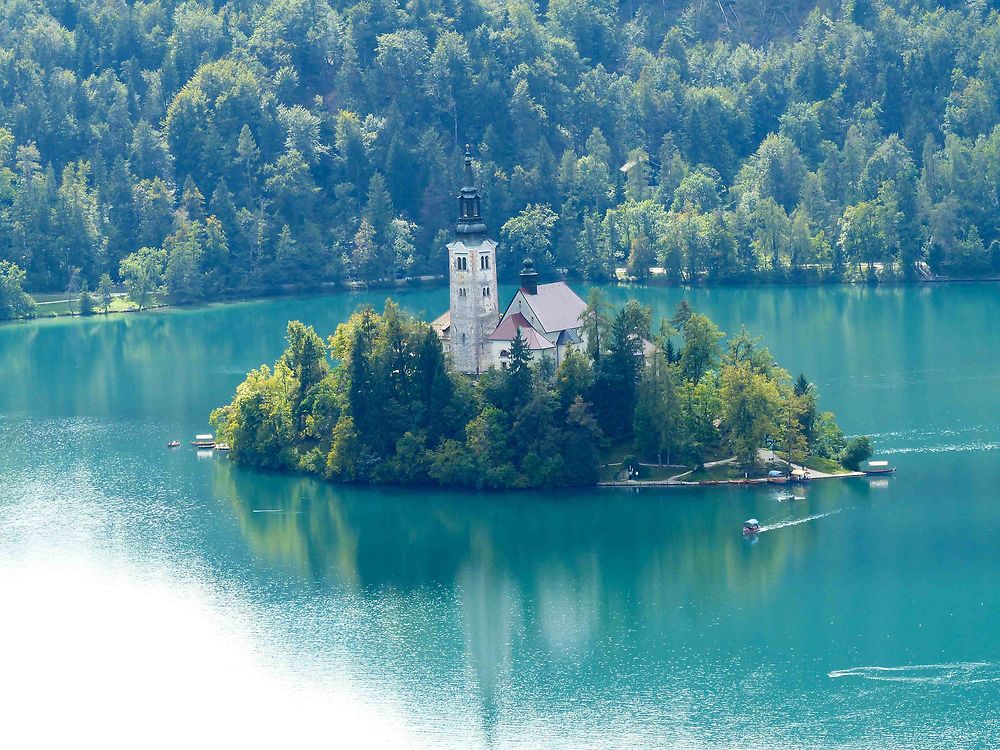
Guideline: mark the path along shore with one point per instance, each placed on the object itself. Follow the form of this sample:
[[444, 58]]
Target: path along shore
[[767, 456]]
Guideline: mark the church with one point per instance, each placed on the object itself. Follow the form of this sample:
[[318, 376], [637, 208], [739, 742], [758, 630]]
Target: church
[[475, 335]]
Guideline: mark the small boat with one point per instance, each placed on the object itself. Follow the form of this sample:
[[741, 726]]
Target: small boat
[[174, 444], [203, 441], [750, 527], [801, 475], [876, 468], [222, 446]]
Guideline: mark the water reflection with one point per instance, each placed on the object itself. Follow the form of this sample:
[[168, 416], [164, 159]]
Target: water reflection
[[541, 585], [572, 619]]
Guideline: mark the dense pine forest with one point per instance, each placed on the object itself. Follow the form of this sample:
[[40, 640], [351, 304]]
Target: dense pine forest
[[205, 148]]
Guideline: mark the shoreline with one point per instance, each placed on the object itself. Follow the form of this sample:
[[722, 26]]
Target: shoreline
[[439, 280], [637, 483]]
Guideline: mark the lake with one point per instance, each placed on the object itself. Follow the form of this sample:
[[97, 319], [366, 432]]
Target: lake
[[156, 597]]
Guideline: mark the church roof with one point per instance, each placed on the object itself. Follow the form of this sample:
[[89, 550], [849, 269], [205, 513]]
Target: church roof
[[569, 336], [442, 324], [507, 331], [556, 306]]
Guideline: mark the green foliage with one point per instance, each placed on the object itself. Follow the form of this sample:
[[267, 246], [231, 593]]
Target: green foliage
[[701, 346], [785, 144], [104, 293], [14, 301], [390, 411], [142, 272], [87, 304], [857, 451]]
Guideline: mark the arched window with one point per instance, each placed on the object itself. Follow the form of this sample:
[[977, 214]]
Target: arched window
[[463, 338], [484, 262], [462, 263]]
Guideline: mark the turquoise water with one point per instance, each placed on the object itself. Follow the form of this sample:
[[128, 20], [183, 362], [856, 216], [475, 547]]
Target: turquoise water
[[144, 588]]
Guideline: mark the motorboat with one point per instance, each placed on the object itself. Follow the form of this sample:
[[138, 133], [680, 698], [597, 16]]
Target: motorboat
[[174, 444], [750, 527], [876, 468], [222, 446]]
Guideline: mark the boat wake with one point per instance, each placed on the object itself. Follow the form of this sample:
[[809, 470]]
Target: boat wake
[[958, 673], [797, 521], [947, 448]]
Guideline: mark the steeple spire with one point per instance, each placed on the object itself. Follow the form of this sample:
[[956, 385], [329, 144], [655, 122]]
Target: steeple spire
[[470, 221]]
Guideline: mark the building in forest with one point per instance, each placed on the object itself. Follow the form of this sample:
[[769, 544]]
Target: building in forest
[[474, 333]]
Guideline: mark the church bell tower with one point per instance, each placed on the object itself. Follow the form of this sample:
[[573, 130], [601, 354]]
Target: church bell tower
[[473, 275]]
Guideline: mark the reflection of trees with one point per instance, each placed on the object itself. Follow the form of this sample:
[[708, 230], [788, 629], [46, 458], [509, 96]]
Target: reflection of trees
[[309, 536], [174, 364], [541, 582]]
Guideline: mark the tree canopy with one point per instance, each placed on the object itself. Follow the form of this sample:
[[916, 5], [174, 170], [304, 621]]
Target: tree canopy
[[281, 142]]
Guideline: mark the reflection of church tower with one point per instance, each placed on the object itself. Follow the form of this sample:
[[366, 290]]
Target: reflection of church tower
[[472, 260]]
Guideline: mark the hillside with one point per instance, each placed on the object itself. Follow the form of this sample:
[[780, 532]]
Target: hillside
[[257, 144]]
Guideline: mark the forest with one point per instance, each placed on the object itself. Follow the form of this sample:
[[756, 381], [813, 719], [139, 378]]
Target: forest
[[209, 148], [390, 411]]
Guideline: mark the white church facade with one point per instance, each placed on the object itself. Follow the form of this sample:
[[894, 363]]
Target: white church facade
[[475, 335]]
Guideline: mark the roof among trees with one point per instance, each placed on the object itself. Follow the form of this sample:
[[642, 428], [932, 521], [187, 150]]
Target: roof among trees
[[556, 306]]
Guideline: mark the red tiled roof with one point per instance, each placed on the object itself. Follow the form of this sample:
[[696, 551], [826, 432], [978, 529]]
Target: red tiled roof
[[507, 331]]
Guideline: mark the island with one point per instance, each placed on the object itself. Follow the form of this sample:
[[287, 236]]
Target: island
[[389, 410], [554, 391]]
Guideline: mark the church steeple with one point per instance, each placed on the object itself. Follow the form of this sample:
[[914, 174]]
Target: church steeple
[[470, 225], [473, 274]]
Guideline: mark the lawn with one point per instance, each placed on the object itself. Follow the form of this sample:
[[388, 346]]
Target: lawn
[[717, 473], [826, 465], [53, 305]]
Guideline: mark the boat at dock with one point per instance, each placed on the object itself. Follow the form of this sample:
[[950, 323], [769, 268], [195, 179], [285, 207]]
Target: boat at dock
[[203, 441], [877, 468], [222, 446]]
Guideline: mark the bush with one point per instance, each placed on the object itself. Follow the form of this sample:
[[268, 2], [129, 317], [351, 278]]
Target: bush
[[14, 301], [858, 450], [86, 304]]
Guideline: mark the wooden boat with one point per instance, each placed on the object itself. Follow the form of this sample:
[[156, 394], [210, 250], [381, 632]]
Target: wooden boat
[[800, 475], [203, 441], [876, 468], [174, 444]]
